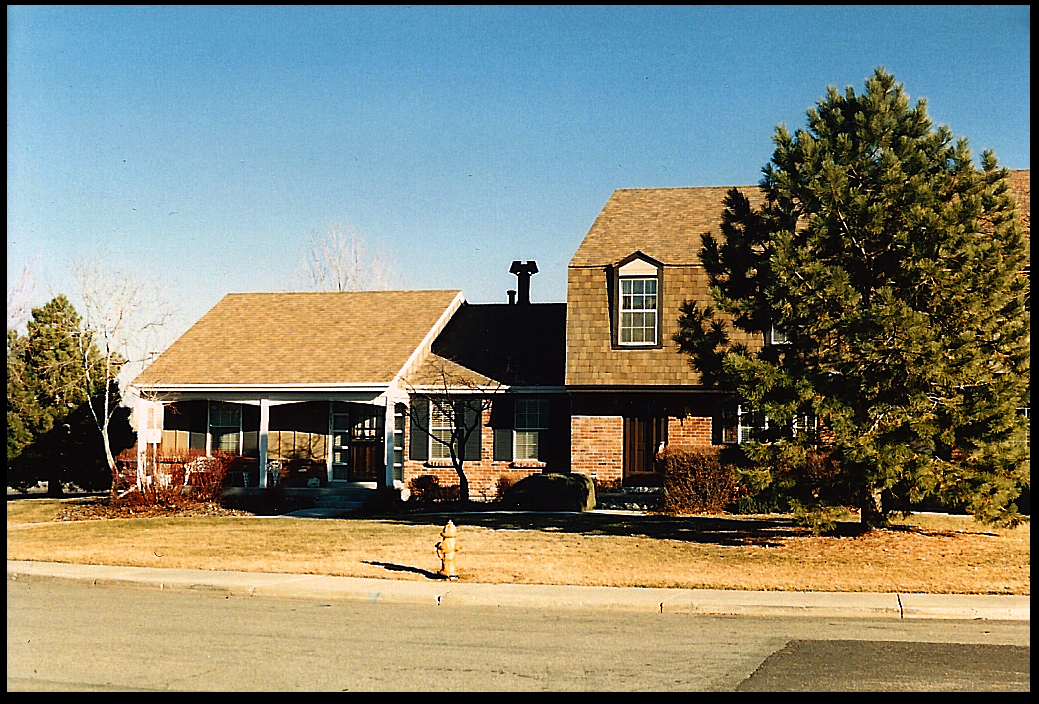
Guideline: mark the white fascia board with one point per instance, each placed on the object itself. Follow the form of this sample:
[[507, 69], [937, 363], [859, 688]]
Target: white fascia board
[[439, 390], [237, 388], [424, 348], [275, 393]]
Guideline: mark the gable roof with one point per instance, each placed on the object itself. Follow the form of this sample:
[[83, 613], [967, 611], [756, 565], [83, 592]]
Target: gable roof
[[356, 337], [664, 223], [515, 345]]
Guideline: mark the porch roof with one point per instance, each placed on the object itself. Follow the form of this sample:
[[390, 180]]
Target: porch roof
[[304, 339]]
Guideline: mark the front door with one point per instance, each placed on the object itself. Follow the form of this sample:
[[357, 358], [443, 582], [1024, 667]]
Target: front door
[[643, 439], [367, 441]]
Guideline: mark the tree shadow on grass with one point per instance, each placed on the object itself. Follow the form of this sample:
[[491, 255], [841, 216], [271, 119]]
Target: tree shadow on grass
[[729, 531]]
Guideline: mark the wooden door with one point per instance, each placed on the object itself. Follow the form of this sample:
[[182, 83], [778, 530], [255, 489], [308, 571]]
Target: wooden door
[[367, 456], [643, 438]]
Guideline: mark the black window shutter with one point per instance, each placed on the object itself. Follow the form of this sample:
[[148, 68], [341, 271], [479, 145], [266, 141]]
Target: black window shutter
[[502, 419], [419, 439], [472, 417]]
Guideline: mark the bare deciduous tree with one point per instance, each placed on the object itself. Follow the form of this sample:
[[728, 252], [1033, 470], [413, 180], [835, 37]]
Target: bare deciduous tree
[[123, 313], [342, 260], [458, 399], [19, 296]]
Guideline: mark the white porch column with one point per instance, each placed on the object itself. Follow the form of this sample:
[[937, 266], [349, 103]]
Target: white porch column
[[388, 427], [265, 421], [141, 419]]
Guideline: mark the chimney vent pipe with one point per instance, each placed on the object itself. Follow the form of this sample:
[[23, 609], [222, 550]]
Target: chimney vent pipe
[[523, 272]]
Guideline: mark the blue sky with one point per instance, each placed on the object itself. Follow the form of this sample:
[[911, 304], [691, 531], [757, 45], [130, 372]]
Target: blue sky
[[203, 146]]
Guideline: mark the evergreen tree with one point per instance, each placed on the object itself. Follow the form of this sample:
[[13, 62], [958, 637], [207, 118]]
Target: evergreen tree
[[892, 266], [50, 434]]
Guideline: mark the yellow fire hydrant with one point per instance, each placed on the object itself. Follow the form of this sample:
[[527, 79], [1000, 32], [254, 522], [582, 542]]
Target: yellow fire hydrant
[[446, 551]]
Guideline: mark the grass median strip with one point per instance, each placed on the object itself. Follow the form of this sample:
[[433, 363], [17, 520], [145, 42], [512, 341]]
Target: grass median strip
[[922, 554]]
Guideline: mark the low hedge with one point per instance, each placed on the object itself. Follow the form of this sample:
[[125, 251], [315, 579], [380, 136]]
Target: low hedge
[[551, 492]]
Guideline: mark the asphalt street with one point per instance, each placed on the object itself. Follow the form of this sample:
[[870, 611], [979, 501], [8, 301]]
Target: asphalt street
[[81, 628]]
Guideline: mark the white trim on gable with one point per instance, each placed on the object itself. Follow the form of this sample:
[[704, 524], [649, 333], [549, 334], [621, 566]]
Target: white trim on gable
[[638, 267]]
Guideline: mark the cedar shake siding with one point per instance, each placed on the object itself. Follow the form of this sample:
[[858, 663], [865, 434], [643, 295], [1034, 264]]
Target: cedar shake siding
[[662, 226], [631, 391], [593, 356]]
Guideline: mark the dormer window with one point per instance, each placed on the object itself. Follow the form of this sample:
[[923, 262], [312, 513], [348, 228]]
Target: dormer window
[[637, 323], [638, 311]]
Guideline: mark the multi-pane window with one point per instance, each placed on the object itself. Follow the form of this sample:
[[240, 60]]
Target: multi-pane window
[[778, 337], [531, 420], [638, 311], [441, 428], [225, 426], [340, 442], [742, 424]]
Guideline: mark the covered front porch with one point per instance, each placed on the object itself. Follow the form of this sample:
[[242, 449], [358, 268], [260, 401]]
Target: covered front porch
[[310, 439]]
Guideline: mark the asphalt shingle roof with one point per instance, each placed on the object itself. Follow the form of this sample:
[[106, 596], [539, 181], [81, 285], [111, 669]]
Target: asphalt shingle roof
[[302, 338], [665, 223]]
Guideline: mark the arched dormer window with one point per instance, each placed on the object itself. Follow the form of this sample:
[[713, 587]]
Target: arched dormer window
[[637, 296]]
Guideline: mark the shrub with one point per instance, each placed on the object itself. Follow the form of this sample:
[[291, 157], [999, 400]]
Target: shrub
[[770, 500], [427, 489], [551, 491], [696, 481], [171, 481], [502, 486]]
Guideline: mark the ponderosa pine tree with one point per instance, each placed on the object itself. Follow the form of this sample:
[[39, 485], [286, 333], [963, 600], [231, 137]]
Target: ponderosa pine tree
[[892, 268]]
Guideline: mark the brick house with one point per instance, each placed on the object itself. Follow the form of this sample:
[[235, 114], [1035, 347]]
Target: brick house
[[324, 389], [340, 388], [631, 392]]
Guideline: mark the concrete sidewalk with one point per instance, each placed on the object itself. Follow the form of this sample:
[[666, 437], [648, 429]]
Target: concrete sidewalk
[[444, 593]]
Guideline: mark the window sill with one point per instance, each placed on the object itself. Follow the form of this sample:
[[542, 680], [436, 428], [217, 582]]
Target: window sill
[[438, 462], [527, 464], [637, 346]]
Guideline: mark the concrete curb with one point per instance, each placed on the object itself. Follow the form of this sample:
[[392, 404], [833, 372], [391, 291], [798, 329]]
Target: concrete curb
[[442, 593]]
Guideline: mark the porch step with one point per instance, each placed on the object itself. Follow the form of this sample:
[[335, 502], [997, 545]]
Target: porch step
[[630, 499], [344, 499], [322, 502]]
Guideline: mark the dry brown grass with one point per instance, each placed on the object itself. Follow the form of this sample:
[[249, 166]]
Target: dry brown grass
[[924, 554]]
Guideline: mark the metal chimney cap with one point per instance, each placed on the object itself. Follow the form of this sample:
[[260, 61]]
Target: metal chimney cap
[[518, 267]]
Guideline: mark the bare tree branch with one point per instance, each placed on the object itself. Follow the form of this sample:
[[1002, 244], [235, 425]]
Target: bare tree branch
[[123, 313], [460, 398], [19, 295], [342, 260]]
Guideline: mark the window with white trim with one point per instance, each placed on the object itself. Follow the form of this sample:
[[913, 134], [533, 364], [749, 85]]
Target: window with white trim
[[225, 426], [531, 421], [741, 423], [778, 337], [441, 428], [638, 311]]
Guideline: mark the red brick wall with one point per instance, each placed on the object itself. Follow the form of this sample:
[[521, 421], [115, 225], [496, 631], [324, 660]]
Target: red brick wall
[[596, 446], [483, 475], [689, 431]]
